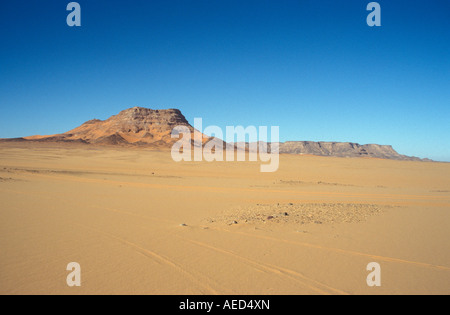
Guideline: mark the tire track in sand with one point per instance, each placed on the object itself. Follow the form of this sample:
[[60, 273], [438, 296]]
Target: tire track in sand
[[343, 251], [309, 283], [164, 260]]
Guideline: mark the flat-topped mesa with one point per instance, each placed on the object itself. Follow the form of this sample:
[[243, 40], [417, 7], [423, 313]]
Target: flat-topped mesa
[[137, 125], [142, 116], [342, 149], [144, 120]]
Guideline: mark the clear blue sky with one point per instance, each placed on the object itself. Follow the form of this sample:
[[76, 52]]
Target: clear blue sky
[[314, 68]]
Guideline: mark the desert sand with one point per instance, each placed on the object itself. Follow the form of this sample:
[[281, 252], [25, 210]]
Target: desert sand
[[139, 223]]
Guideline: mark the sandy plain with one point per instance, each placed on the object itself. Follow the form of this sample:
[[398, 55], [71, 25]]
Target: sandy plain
[[139, 223]]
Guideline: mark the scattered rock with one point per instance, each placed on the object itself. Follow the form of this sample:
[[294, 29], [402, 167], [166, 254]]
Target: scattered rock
[[301, 214]]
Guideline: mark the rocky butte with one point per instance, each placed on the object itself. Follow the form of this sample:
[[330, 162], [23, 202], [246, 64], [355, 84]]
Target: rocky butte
[[136, 126]]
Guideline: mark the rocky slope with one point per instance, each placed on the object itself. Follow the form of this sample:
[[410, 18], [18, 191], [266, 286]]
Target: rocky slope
[[136, 126]]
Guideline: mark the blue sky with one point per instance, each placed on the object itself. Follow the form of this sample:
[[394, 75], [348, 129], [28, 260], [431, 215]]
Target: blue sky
[[312, 67]]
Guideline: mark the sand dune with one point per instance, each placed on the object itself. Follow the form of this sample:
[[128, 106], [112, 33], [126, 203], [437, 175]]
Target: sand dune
[[137, 222]]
